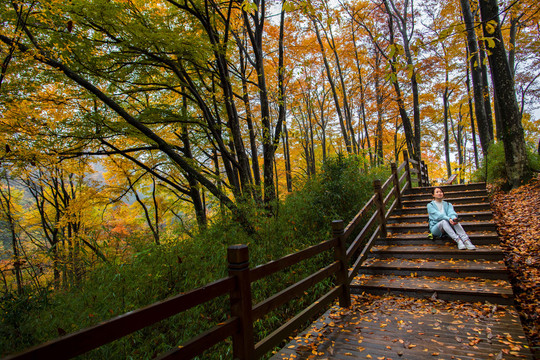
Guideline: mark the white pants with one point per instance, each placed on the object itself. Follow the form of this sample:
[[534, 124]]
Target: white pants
[[456, 231]]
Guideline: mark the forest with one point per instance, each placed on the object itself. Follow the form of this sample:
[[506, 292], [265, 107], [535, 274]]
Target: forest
[[140, 138]]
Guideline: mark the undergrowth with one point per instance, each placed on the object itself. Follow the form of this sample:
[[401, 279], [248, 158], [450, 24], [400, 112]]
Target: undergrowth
[[154, 273], [493, 168]]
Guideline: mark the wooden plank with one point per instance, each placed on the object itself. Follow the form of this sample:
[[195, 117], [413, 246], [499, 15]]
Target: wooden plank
[[90, 338], [358, 241], [267, 269], [354, 222], [363, 255], [265, 345], [440, 265], [388, 181], [264, 307], [402, 166], [204, 341], [393, 327], [451, 179], [473, 285]]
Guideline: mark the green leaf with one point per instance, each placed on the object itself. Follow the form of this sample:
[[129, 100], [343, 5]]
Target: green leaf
[[392, 51]]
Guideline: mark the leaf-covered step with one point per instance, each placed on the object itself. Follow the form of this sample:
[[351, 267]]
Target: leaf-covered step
[[477, 238], [447, 188], [436, 251], [468, 289], [464, 216], [448, 195], [484, 206], [430, 267], [454, 201], [422, 227]]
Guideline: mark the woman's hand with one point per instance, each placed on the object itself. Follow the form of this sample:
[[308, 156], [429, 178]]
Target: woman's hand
[[452, 222]]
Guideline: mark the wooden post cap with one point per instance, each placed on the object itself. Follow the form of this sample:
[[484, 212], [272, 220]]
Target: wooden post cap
[[238, 254], [337, 227]]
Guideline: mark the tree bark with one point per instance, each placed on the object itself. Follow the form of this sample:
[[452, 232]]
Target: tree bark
[[402, 27], [512, 130], [476, 74], [471, 113], [487, 96], [287, 156], [379, 101], [446, 135], [407, 126], [342, 123]]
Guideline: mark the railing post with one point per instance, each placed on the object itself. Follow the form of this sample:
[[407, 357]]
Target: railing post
[[380, 206], [340, 254], [241, 303], [419, 169], [407, 167], [397, 189], [425, 170]]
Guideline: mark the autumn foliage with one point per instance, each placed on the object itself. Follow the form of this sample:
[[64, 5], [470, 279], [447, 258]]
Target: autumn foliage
[[517, 214]]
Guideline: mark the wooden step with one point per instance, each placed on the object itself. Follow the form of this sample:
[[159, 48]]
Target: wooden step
[[429, 267], [436, 251], [458, 207], [455, 201], [447, 188], [422, 227], [464, 216], [448, 196], [469, 289], [477, 238]]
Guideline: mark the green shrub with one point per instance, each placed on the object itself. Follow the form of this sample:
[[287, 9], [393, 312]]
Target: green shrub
[[156, 272], [493, 168]]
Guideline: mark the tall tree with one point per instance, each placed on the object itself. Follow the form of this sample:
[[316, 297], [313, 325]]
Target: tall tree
[[512, 130], [403, 17], [476, 71]]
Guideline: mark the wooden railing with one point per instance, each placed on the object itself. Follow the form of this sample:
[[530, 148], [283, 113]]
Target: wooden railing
[[237, 285]]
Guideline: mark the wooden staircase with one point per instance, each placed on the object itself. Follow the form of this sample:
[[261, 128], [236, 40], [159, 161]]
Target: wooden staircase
[[407, 262]]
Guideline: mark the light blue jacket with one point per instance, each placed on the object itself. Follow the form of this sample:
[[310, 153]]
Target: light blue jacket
[[435, 216]]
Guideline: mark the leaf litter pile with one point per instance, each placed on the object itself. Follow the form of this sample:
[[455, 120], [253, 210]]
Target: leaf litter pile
[[518, 218]]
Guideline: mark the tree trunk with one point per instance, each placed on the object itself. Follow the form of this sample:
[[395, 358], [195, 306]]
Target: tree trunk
[[446, 135], [487, 96], [346, 107], [333, 88], [249, 121], [476, 72], [287, 156], [407, 126], [471, 114], [402, 26], [379, 101], [512, 130], [362, 112]]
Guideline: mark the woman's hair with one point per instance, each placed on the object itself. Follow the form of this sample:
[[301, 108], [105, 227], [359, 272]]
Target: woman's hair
[[435, 188]]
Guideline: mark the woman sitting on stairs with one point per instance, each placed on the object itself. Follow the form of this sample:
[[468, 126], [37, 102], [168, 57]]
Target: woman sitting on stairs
[[444, 219]]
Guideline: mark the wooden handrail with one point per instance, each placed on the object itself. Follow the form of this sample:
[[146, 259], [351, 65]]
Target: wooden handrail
[[82, 341], [204, 341], [282, 297], [354, 222], [238, 284], [274, 266]]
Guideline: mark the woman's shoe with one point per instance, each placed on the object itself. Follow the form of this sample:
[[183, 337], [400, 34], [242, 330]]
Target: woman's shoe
[[460, 244], [469, 245]]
